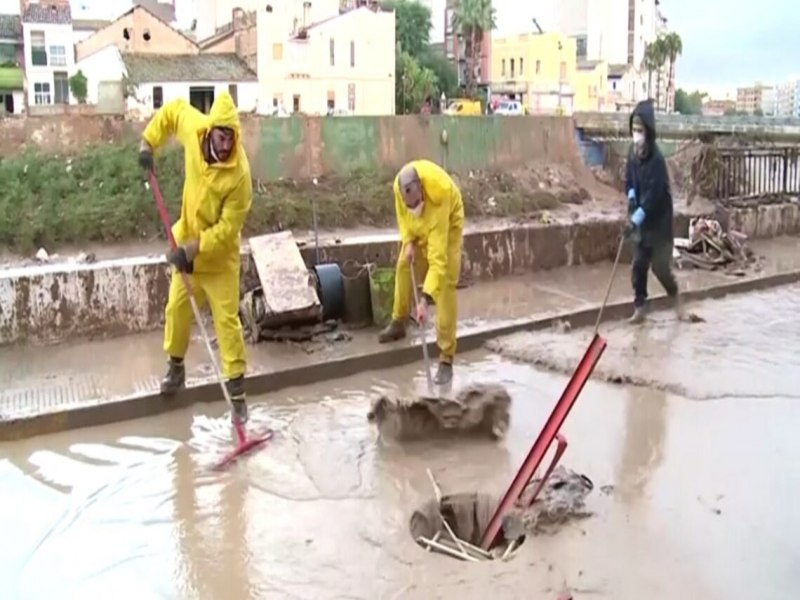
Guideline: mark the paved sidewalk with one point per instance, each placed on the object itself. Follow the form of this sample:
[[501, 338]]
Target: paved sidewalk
[[40, 380]]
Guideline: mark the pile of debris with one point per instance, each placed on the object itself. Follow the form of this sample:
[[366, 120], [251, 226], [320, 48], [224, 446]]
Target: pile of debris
[[258, 326], [453, 524], [283, 304], [708, 247]]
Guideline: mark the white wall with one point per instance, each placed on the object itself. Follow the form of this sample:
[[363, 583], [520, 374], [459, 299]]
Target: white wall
[[373, 74], [140, 104], [104, 65], [54, 35]]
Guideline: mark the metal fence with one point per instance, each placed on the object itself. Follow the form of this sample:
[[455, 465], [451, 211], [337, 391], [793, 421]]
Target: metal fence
[[750, 172]]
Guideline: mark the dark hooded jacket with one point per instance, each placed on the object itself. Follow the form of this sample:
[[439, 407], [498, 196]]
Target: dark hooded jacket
[[649, 178]]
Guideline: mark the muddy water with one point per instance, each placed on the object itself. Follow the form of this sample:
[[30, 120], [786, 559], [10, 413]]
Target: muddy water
[[700, 505], [748, 347]]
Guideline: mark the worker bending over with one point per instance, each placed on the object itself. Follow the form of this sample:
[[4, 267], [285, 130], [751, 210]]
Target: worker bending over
[[649, 211], [430, 216], [217, 193]]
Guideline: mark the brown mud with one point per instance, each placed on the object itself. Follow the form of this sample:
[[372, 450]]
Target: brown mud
[[323, 511], [743, 348], [478, 409]]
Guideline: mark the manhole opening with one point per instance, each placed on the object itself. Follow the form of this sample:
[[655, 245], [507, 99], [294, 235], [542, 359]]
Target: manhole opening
[[467, 515]]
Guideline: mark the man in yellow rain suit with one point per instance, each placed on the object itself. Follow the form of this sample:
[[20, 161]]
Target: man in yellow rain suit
[[430, 216], [217, 193]]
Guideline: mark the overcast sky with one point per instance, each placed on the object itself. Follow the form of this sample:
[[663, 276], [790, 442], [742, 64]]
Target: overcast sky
[[725, 44]]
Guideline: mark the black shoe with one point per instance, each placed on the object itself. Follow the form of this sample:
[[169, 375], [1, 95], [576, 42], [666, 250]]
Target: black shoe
[[236, 391], [175, 379], [444, 374]]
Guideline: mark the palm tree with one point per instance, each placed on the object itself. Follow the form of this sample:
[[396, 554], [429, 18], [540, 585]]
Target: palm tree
[[674, 47], [472, 19], [649, 64], [658, 56]]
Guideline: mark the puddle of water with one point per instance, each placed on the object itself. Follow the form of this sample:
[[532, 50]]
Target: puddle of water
[[699, 506]]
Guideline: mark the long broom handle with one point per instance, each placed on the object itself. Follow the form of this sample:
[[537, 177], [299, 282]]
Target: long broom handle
[[608, 289], [426, 357], [162, 211]]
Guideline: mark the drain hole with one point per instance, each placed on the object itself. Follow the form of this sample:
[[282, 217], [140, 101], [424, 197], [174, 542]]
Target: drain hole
[[468, 516]]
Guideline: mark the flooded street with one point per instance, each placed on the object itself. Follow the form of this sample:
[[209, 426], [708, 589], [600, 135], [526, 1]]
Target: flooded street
[[691, 499]]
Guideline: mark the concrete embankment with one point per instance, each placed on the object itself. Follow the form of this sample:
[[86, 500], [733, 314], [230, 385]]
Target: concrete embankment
[[56, 302]]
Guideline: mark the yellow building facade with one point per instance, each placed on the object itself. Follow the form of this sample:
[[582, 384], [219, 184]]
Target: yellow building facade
[[591, 87], [540, 69]]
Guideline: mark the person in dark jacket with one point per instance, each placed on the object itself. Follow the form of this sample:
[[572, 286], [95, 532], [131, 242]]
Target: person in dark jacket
[[649, 211]]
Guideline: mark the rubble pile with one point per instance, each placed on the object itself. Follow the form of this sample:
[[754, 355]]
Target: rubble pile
[[708, 247]]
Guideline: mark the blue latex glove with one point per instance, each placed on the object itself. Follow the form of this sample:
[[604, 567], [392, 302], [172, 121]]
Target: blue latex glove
[[637, 218], [632, 230]]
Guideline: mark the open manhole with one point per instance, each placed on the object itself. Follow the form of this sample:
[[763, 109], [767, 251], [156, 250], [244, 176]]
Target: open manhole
[[465, 517]]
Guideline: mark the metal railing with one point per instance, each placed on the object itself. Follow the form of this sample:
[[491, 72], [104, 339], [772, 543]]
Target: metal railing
[[751, 172]]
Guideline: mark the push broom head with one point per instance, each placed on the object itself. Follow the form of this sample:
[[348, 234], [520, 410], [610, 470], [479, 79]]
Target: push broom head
[[243, 446]]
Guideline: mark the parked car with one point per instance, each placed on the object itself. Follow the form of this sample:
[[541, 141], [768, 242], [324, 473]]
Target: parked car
[[463, 107], [510, 107]]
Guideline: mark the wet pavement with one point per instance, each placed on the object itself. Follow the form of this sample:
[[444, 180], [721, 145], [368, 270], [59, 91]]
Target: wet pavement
[[39, 380], [747, 346], [698, 503]]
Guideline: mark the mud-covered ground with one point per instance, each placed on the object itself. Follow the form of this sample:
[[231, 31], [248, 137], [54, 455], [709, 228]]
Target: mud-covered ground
[[745, 348], [682, 491]]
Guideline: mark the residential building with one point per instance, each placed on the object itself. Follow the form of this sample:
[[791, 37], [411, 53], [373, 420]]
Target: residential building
[[238, 36], [718, 108], [154, 79], [137, 31], [625, 87], [769, 102], [591, 87], [538, 68], [455, 49], [49, 55], [212, 15], [104, 72], [787, 98], [749, 99], [344, 63], [12, 59], [616, 32], [84, 28]]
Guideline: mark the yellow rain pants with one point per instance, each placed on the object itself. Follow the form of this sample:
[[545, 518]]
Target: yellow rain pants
[[438, 236], [216, 200]]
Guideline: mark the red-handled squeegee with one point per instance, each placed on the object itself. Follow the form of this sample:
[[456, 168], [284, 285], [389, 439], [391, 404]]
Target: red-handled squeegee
[[542, 443], [243, 444]]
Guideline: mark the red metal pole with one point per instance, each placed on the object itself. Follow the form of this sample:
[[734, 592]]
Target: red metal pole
[[546, 436]]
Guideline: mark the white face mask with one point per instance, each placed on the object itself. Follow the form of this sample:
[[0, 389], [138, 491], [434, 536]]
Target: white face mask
[[417, 210], [638, 137]]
